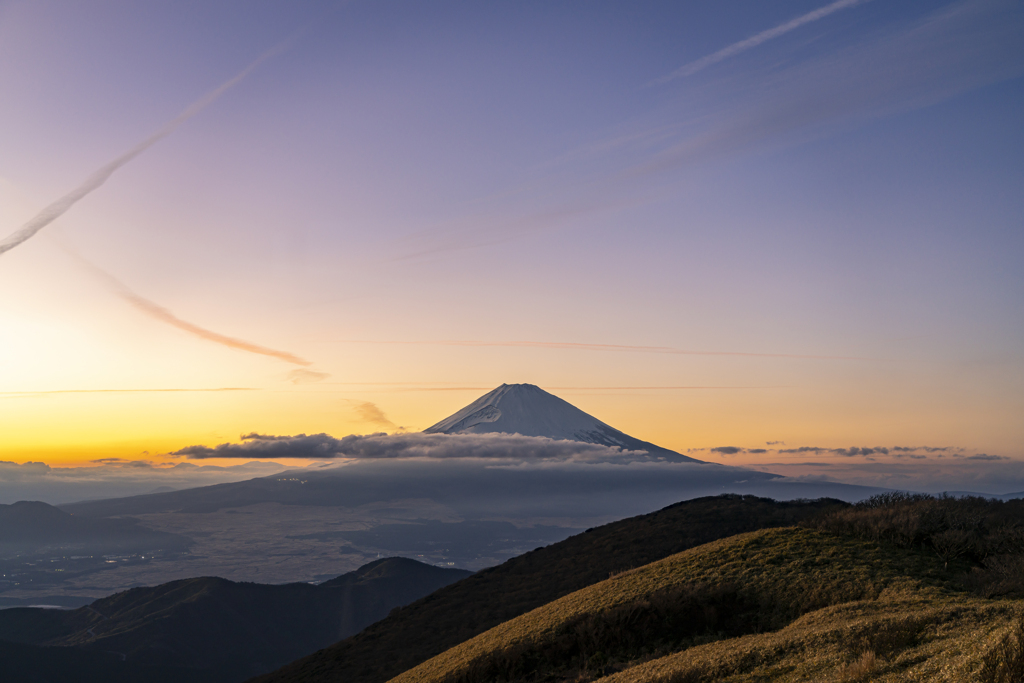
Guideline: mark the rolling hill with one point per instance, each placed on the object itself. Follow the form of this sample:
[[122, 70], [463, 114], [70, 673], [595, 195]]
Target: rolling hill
[[778, 604], [898, 587], [490, 597], [213, 627], [31, 528]]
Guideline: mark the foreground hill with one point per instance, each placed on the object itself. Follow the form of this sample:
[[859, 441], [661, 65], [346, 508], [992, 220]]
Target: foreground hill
[[461, 611], [848, 609], [212, 628]]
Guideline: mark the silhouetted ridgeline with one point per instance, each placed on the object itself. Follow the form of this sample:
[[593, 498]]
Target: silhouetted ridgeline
[[29, 528], [210, 628], [458, 612], [790, 604]]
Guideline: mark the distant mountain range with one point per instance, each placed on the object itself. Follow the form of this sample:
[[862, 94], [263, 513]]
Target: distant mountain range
[[29, 529], [529, 410], [210, 629]]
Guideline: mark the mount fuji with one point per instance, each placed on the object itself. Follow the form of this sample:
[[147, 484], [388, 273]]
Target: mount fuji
[[528, 410]]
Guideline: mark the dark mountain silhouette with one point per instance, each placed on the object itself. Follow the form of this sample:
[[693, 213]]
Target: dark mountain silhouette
[[465, 609], [222, 629], [31, 528]]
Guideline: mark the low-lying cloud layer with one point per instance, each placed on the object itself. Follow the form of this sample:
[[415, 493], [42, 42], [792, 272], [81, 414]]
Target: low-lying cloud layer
[[417, 445], [915, 468], [116, 477]]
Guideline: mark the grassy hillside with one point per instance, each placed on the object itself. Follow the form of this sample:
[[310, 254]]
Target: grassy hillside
[[234, 629], [458, 612], [847, 608]]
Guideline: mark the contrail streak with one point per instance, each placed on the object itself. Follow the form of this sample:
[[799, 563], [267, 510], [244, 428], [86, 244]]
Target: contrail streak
[[157, 311], [61, 206], [754, 41], [120, 391], [602, 347]]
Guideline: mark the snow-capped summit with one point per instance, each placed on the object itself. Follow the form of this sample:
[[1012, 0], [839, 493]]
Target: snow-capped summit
[[529, 410]]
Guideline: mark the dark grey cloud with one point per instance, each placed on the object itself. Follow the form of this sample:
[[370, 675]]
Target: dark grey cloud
[[122, 462], [986, 456], [912, 452], [926, 449], [733, 450], [418, 445]]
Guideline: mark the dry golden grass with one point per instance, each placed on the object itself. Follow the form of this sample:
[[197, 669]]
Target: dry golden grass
[[870, 612], [922, 636]]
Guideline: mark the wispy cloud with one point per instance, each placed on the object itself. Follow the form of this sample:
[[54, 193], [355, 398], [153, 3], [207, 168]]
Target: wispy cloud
[[304, 376], [99, 177], [160, 313], [117, 391], [599, 347], [372, 414], [901, 67], [955, 50], [755, 40]]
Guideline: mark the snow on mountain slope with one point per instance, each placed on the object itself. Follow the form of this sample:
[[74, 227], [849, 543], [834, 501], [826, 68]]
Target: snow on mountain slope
[[529, 410]]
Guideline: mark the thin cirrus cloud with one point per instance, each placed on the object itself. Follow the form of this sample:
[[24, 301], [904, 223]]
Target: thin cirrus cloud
[[100, 176], [756, 40], [17, 394], [572, 346], [959, 48], [158, 312]]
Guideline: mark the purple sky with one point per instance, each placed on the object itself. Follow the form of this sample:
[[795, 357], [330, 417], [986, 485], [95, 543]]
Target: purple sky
[[836, 197]]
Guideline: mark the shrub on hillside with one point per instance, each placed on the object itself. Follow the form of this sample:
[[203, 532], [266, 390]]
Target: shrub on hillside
[[986, 534]]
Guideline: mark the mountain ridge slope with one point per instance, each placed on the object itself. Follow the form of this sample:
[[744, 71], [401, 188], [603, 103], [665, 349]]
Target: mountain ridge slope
[[528, 410], [465, 609]]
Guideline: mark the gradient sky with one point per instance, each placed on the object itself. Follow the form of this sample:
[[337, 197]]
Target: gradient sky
[[709, 232]]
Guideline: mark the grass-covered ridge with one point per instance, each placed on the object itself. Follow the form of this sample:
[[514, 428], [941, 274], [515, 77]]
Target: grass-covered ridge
[[459, 612], [683, 618], [903, 635]]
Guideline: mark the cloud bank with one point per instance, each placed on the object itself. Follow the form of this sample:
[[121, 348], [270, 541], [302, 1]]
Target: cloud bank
[[916, 468], [381, 446], [116, 477]]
